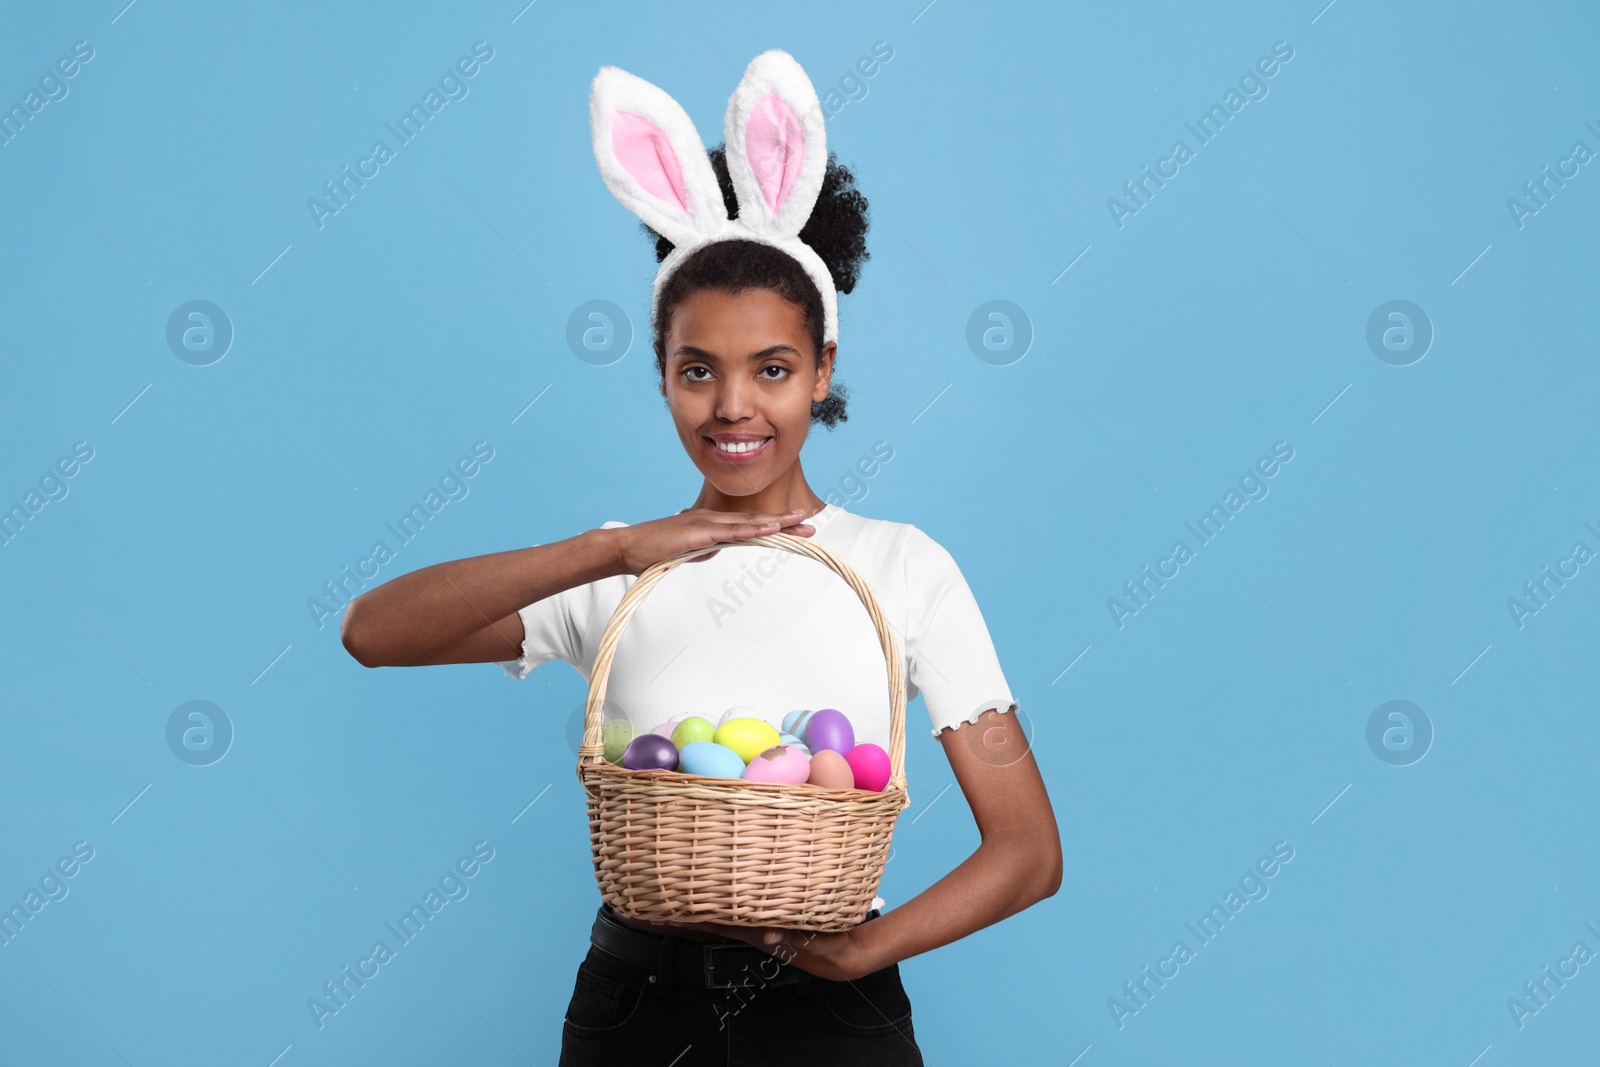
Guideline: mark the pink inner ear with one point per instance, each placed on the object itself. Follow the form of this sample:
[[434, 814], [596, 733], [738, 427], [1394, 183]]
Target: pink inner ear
[[646, 154], [775, 147]]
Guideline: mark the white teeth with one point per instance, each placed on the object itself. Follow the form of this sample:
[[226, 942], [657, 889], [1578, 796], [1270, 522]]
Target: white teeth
[[748, 446]]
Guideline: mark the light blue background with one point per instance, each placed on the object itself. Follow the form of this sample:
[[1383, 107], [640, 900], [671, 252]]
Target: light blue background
[[1228, 314]]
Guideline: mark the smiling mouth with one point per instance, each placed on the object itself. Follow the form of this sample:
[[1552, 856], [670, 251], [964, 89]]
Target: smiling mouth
[[742, 452]]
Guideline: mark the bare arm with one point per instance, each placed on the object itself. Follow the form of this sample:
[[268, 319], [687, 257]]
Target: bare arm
[[465, 610], [1017, 864]]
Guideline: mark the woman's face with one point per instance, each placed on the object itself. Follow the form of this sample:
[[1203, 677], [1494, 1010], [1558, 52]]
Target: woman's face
[[740, 369]]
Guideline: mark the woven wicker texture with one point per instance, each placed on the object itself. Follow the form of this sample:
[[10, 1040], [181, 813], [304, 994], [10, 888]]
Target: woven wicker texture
[[671, 846]]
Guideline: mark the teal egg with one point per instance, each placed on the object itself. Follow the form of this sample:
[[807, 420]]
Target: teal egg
[[710, 759]]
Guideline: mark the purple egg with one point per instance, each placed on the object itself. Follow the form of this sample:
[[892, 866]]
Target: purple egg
[[828, 728], [650, 752]]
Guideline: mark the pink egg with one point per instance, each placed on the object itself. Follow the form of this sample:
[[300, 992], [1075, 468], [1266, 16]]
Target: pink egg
[[780, 763], [870, 766], [830, 771], [828, 728], [666, 728]]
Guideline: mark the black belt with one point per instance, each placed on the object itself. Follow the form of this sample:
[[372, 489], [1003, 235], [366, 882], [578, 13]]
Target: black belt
[[721, 964]]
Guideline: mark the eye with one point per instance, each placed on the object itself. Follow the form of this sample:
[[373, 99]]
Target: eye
[[686, 371], [778, 367]]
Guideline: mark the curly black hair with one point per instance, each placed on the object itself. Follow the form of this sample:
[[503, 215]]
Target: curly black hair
[[836, 231]]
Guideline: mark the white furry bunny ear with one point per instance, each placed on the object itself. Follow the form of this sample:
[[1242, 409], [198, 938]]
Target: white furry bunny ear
[[775, 145], [652, 158]]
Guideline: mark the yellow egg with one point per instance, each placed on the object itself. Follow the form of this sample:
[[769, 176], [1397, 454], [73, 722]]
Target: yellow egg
[[747, 736]]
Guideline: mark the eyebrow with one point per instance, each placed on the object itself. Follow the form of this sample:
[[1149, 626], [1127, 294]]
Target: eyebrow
[[691, 352]]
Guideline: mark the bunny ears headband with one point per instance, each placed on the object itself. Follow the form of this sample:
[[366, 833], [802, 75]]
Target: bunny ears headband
[[653, 160]]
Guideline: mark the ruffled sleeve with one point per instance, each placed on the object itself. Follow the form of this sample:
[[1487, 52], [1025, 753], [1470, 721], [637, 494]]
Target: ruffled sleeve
[[548, 633]]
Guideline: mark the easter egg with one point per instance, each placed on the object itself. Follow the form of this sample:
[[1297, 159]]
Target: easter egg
[[650, 752], [738, 711], [747, 736], [828, 728], [693, 728], [710, 759], [870, 765], [615, 735], [830, 771], [795, 722], [791, 739], [666, 728], [780, 763]]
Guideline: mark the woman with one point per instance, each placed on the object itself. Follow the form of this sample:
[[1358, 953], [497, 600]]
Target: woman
[[744, 333]]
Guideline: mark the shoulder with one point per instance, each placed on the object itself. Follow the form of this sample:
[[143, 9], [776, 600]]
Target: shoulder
[[919, 555]]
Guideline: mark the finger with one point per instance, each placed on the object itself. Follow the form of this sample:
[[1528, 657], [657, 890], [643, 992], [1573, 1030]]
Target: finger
[[756, 518], [782, 518], [754, 529], [754, 936]]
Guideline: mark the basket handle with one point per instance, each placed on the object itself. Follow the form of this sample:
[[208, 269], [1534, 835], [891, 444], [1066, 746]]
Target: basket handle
[[592, 751]]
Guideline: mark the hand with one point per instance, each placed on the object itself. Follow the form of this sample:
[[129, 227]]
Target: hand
[[647, 543], [837, 956]]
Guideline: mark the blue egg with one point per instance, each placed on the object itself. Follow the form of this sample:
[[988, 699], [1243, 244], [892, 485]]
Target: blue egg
[[795, 742], [710, 759], [794, 723]]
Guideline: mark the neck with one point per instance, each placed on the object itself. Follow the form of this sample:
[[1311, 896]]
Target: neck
[[780, 496]]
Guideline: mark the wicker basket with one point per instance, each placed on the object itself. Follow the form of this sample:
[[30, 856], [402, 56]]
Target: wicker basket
[[672, 846]]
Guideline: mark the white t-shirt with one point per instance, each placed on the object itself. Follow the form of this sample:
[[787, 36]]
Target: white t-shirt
[[775, 631]]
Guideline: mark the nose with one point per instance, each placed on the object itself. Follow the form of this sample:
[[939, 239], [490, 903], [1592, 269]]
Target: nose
[[736, 399]]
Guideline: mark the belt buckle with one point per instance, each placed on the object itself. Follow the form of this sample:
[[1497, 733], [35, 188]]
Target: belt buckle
[[715, 977]]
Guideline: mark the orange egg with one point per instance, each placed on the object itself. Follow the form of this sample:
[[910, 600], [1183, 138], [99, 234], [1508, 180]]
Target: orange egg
[[831, 771]]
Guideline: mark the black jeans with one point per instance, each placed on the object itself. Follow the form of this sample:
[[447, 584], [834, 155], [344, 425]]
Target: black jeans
[[621, 1013]]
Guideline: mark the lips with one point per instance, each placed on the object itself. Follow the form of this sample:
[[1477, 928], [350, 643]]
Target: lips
[[739, 457]]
